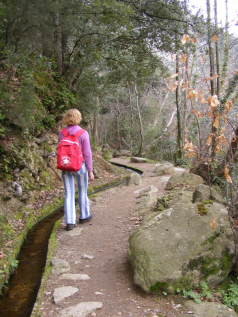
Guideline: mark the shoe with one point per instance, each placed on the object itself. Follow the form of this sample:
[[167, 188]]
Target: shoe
[[85, 220], [69, 226]]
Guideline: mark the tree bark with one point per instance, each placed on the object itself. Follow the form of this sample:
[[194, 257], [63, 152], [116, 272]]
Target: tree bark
[[210, 48], [226, 49], [58, 43], [141, 145], [179, 128], [217, 52]]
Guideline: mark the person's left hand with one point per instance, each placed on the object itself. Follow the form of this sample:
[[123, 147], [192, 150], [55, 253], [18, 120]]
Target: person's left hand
[[91, 176]]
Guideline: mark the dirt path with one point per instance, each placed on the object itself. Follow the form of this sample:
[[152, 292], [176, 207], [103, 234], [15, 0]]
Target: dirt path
[[100, 251]]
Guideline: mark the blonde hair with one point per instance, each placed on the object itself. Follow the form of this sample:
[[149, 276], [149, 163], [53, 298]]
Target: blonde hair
[[72, 117]]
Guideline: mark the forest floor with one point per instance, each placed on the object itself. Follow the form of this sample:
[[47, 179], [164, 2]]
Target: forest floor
[[99, 249]]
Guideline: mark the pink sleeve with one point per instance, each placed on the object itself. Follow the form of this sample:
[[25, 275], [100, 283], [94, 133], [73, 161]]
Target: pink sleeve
[[86, 150]]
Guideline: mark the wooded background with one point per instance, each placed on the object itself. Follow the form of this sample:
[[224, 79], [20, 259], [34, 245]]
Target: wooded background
[[149, 77]]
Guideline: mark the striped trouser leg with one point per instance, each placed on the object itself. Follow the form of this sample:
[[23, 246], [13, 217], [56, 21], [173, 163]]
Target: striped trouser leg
[[82, 178], [69, 198]]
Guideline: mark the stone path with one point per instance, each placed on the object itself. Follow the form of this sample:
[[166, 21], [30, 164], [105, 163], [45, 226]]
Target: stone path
[[91, 274]]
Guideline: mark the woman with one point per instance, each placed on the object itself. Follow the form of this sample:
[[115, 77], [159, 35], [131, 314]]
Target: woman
[[71, 120]]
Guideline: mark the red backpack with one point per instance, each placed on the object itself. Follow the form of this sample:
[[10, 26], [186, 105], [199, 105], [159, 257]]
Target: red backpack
[[69, 153]]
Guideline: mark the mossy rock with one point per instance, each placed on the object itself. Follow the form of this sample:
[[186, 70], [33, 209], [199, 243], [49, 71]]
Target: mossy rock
[[179, 247], [184, 180]]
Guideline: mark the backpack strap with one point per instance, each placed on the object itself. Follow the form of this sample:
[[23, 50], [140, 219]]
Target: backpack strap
[[65, 132], [79, 133]]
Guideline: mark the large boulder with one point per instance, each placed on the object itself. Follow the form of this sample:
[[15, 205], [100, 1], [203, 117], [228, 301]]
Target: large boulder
[[182, 245], [184, 179], [164, 169]]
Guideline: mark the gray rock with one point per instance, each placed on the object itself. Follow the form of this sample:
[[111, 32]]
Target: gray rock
[[217, 196], [75, 277], [63, 292], [204, 192], [164, 169], [60, 266], [17, 189], [206, 309], [81, 310], [179, 246], [135, 159], [146, 199], [134, 179], [184, 180]]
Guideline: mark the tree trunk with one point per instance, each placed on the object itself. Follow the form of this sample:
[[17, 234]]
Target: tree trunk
[[217, 52], [131, 119], [212, 81], [140, 122], [58, 43], [179, 128], [210, 48], [226, 49]]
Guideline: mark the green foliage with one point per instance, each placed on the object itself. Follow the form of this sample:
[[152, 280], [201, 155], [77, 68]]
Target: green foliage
[[230, 296], [32, 95], [191, 295], [202, 293]]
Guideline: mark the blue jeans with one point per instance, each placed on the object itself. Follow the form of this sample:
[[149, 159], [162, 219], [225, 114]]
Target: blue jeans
[[69, 195]]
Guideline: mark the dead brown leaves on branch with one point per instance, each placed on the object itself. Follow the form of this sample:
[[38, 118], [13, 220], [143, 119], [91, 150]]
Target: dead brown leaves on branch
[[203, 106]]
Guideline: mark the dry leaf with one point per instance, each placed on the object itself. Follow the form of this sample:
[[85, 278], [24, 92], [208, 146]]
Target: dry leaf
[[192, 93], [198, 114], [213, 101], [185, 39], [213, 224], [183, 58], [216, 122], [218, 148], [228, 105], [209, 140], [221, 139], [173, 86], [211, 78], [193, 40], [203, 100], [214, 38], [227, 175], [190, 149]]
